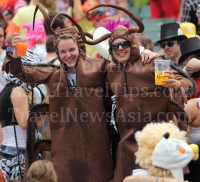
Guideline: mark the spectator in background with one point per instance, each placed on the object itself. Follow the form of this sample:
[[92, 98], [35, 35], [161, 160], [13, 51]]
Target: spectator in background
[[171, 37], [98, 18], [37, 37], [62, 5], [116, 13], [145, 42], [76, 10], [3, 2], [20, 17], [51, 53], [189, 62], [190, 13], [2, 55], [2, 52], [58, 24], [2, 80], [13, 6], [42, 171], [164, 8]]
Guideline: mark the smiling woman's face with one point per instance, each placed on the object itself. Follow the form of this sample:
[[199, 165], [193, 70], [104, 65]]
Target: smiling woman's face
[[122, 55]]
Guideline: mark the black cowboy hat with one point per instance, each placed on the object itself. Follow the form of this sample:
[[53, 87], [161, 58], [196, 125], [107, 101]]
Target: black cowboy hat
[[171, 31], [188, 47]]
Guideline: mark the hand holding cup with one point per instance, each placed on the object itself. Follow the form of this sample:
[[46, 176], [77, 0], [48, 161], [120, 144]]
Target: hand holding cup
[[20, 44], [171, 81]]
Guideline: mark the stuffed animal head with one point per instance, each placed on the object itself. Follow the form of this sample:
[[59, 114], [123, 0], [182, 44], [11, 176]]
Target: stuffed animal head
[[147, 140]]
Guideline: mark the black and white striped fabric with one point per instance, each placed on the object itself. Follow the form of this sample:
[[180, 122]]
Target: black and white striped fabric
[[10, 167]]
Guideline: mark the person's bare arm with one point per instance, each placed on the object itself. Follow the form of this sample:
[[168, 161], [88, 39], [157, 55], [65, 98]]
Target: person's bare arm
[[193, 112], [9, 37], [79, 14], [144, 178], [121, 14], [181, 9], [19, 100]]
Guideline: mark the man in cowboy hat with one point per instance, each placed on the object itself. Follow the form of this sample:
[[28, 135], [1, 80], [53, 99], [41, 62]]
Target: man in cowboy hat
[[171, 37]]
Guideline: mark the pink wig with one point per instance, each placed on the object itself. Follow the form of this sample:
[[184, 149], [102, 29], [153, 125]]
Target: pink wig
[[36, 34], [112, 24]]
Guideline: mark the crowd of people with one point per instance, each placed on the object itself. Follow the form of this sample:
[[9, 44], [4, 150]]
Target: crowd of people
[[93, 70]]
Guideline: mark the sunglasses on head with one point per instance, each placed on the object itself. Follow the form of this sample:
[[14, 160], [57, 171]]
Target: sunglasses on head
[[169, 44], [124, 44]]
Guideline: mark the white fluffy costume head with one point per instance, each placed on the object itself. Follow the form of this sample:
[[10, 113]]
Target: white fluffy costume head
[[147, 140]]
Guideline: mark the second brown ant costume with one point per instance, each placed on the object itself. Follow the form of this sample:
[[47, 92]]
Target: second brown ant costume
[[138, 100]]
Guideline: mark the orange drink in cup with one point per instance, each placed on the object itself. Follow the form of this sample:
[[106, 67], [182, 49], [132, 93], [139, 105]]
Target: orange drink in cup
[[160, 67], [21, 48]]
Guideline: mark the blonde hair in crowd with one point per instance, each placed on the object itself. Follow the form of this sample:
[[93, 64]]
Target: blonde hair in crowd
[[148, 138], [42, 171], [185, 62], [49, 4]]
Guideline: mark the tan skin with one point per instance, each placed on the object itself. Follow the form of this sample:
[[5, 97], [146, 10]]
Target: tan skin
[[193, 105], [51, 56], [144, 178], [1, 39], [68, 52], [122, 55], [193, 64], [20, 104], [193, 112]]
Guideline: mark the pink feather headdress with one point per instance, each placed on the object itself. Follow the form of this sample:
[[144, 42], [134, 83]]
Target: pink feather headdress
[[112, 24]]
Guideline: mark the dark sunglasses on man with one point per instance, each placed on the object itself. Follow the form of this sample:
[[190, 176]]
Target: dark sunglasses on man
[[169, 44], [124, 44]]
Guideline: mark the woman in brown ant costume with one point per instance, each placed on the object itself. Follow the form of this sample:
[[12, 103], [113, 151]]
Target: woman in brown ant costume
[[138, 100]]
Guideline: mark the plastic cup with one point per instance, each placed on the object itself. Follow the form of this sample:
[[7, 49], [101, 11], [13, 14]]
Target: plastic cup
[[160, 67], [21, 49]]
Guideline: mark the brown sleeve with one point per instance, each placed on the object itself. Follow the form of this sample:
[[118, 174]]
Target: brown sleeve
[[30, 75]]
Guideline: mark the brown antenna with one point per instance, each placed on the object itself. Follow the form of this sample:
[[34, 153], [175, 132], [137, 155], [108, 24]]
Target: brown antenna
[[46, 18], [129, 13]]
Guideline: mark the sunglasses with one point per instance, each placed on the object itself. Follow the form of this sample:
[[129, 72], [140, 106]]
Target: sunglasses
[[124, 44], [169, 44]]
